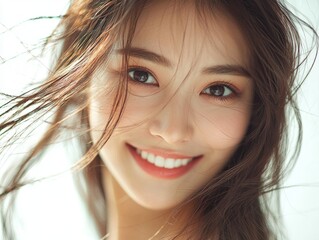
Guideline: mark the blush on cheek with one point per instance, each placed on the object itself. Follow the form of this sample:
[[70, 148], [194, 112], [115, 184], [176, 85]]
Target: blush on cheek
[[223, 128], [138, 110]]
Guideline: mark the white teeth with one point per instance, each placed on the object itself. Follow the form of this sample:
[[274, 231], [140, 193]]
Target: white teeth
[[184, 162], [178, 163], [144, 154], [151, 158], [158, 161], [169, 163]]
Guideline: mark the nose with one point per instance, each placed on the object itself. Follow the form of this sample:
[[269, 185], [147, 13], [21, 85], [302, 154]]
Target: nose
[[172, 123]]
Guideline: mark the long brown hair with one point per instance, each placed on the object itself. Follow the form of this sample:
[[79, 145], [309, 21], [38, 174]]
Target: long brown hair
[[230, 202]]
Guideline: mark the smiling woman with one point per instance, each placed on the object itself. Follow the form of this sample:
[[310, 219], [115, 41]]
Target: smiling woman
[[186, 63], [182, 108]]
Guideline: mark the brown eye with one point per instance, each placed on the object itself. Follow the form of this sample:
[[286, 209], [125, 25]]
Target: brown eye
[[218, 91], [141, 76]]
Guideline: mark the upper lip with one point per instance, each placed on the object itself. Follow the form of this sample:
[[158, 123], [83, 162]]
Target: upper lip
[[165, 153]]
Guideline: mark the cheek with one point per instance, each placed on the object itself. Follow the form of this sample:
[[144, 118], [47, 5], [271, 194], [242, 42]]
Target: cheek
[[138, 110], [100, 106], [97, 120], [99, 112], [223, 127]]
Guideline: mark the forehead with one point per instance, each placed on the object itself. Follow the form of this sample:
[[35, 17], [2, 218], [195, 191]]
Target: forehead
[[180, 31]]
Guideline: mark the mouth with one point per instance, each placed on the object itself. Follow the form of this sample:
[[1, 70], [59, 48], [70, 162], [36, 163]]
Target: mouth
[[163, 164], [160, 161]]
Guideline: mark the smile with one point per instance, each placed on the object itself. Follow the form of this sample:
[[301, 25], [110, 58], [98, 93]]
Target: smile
[[162, 164]]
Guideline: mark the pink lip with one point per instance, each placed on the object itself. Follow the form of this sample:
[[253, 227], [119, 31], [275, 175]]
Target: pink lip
[[160, 172]]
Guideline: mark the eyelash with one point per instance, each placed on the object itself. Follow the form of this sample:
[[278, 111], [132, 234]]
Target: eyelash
[[234, 91], [141, 69]]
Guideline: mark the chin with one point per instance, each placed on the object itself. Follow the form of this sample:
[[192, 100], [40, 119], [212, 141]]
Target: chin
[[157, 204]]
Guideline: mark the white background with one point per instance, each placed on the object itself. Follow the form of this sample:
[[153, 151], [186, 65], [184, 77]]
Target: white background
[[300, 201]]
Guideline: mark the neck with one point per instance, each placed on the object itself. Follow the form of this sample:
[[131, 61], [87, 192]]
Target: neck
[[129, 220]]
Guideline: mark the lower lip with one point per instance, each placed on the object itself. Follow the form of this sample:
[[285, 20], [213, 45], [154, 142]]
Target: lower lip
[[162, 172]]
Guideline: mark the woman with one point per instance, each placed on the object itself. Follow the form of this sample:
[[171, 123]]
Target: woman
[[183, 108]]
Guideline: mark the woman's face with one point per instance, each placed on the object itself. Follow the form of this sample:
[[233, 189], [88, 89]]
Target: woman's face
[[188, 105]]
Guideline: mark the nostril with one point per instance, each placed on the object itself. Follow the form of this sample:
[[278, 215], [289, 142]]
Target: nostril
[[171, 125], [172, 134]]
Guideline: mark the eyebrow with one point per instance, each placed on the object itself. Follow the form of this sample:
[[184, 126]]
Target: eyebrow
[[145, 54], [226, 69]]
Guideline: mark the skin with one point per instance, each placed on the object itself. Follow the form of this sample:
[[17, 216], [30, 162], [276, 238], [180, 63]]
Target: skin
[[171, 112]]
